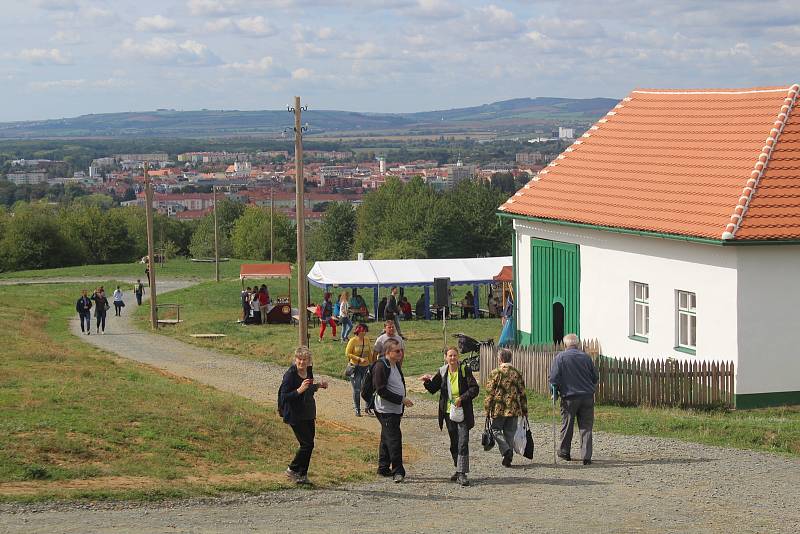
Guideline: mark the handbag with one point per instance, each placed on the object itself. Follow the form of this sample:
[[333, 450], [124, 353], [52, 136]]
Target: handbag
[[456, 413], [519, 436], [350, 369], [487, 438], [528, 453]]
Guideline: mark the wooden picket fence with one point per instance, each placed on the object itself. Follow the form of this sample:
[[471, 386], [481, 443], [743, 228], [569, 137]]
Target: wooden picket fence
[[629, 381]]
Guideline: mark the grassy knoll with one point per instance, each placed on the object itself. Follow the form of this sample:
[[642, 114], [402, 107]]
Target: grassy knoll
[[77, 423], [175, 268], [214, 308], [211, 307]]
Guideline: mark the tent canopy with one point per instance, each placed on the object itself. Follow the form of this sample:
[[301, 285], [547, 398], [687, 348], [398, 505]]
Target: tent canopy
[[506, 274], [265, 270], [372, 273]]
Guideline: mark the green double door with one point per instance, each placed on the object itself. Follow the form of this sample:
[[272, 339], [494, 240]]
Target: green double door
[[555, 288]]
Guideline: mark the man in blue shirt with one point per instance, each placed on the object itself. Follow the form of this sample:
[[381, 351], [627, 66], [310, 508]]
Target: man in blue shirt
[[574, 377]]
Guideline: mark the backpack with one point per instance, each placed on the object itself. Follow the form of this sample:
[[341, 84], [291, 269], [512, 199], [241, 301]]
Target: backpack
[[367, 386]]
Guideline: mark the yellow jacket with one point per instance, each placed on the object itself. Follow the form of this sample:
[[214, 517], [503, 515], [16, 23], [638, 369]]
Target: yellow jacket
[[355, 348]]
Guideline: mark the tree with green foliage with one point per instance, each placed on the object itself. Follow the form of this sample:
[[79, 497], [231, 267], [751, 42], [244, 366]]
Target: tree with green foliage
[[403, 249], [202, 242], [332, 238], [250, 237], [97, 236], [33, 239]]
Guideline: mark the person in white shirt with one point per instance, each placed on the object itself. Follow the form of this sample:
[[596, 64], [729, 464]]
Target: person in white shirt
[[118, 303]]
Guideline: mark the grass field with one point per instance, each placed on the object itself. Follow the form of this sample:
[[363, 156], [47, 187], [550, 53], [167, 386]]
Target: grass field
[[76, 423], [174, 268], [214, 308]]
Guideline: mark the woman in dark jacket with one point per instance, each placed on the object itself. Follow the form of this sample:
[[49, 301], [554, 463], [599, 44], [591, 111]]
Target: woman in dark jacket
[[299, 410], [457, 387]]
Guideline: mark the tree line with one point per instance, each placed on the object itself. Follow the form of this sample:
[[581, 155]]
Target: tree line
[[399, 220]]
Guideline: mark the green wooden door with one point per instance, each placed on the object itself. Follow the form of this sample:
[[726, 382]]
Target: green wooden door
[[555, 278]]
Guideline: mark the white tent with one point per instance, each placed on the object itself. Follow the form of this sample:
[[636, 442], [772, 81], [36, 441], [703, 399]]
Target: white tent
[[373, 273], [387, 273]]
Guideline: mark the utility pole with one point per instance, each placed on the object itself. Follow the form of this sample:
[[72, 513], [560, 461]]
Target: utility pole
[[271, 232], [216, 239], [302, 298], [148, 195]]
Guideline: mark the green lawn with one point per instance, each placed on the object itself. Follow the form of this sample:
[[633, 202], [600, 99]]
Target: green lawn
[[77, 423], [214, 308], [174, 268], [768, 429]]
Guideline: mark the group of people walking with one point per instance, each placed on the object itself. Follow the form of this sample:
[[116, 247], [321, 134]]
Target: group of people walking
[[98, 304], [377, 379]]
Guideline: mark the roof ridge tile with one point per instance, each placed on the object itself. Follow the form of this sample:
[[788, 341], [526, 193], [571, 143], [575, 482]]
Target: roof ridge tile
[[761, 164]]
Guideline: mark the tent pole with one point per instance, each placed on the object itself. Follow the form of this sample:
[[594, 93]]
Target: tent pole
[[375, 292], [476, 300], [427, 303]]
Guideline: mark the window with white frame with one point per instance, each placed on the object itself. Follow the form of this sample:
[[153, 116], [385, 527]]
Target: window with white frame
[[640, 303], [687, 320]]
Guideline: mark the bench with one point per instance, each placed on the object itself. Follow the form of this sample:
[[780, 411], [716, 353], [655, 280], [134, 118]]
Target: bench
[[176, 307]]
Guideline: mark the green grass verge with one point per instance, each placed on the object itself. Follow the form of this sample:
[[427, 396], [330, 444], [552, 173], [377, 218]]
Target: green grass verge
[[174, 268], [77, 423]]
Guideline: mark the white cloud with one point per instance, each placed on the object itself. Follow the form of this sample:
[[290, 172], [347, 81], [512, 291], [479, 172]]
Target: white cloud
[[56, 5], [66, 37], [211, 7], [367, 50], [45, 56], [167, 51], [302, 74], [156, 23], [310, 50], [255, 26], [439, 9], [253, 66], [251, 26], [108, 83]]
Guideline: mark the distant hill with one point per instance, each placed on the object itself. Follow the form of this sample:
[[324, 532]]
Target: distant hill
[[520, 114]]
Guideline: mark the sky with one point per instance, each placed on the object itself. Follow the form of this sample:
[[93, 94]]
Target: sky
[[63, 58]]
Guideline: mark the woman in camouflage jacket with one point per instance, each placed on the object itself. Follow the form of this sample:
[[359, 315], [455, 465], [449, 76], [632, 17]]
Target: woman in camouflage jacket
[[505, 401]]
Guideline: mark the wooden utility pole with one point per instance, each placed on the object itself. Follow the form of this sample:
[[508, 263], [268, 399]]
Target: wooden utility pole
[[148, 195], [271, 232], [216, 239], [302, 298]]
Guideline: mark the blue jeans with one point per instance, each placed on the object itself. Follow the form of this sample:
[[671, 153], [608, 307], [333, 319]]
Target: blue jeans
[[86, 317], [355, 382], [347, 327]]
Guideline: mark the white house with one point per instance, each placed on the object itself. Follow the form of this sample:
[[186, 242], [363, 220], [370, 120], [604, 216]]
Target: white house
[[671, 229]]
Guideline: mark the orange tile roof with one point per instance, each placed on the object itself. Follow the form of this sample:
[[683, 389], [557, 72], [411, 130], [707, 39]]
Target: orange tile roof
[[713, 163]]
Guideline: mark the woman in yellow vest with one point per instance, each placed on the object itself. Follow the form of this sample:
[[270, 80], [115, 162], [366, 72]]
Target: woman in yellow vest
[[457, 387], [360, 357]]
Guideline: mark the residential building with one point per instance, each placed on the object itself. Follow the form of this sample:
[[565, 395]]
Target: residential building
[[27, 178]]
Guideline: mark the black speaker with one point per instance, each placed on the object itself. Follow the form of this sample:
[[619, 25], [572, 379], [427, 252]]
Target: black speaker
[[441, 290]]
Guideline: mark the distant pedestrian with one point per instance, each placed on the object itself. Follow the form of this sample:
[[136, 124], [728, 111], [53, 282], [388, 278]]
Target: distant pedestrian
[[508, 309], [457, 387], [574, 378], [138, 290], [392, 310], [359, 354], [263, 301], [84, 307], [255, 306], [100, 308], [390, 403], [388, 333], [505, 401], [344, 315], [118, 302], [382, 310], [298, 408], [245, 305], [326, 316]]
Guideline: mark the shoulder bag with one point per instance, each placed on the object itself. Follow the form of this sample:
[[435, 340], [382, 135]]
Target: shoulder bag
[[487, 438]]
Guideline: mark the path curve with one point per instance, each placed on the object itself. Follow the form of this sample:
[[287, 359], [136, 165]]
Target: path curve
[[637, 484]]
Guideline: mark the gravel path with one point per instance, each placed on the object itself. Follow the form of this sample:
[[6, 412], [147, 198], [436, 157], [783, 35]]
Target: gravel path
[[636, 484]]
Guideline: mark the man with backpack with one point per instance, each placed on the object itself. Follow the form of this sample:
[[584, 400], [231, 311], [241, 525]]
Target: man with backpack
[[389, 387]]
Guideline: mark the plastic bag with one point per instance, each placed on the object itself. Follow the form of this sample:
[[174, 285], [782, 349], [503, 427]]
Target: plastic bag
[[520, 437]]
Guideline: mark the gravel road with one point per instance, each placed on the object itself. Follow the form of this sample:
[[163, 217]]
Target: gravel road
[[636, 484]]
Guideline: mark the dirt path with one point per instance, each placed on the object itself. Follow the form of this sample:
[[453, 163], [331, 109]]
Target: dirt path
[[636, 484]]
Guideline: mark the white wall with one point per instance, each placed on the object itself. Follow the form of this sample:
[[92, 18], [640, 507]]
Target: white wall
[[769, 319], [523, 265], [610, 261]]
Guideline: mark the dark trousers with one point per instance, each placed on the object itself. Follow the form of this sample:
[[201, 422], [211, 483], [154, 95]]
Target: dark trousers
[[138, 298], [390, 451], [583, 408], [87, 317], [504, 429], [117, 308], [304, 431], [459, 444], [101, 321]]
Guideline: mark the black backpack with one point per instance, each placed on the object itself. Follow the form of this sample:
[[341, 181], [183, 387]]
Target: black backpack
[[367, 386]]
